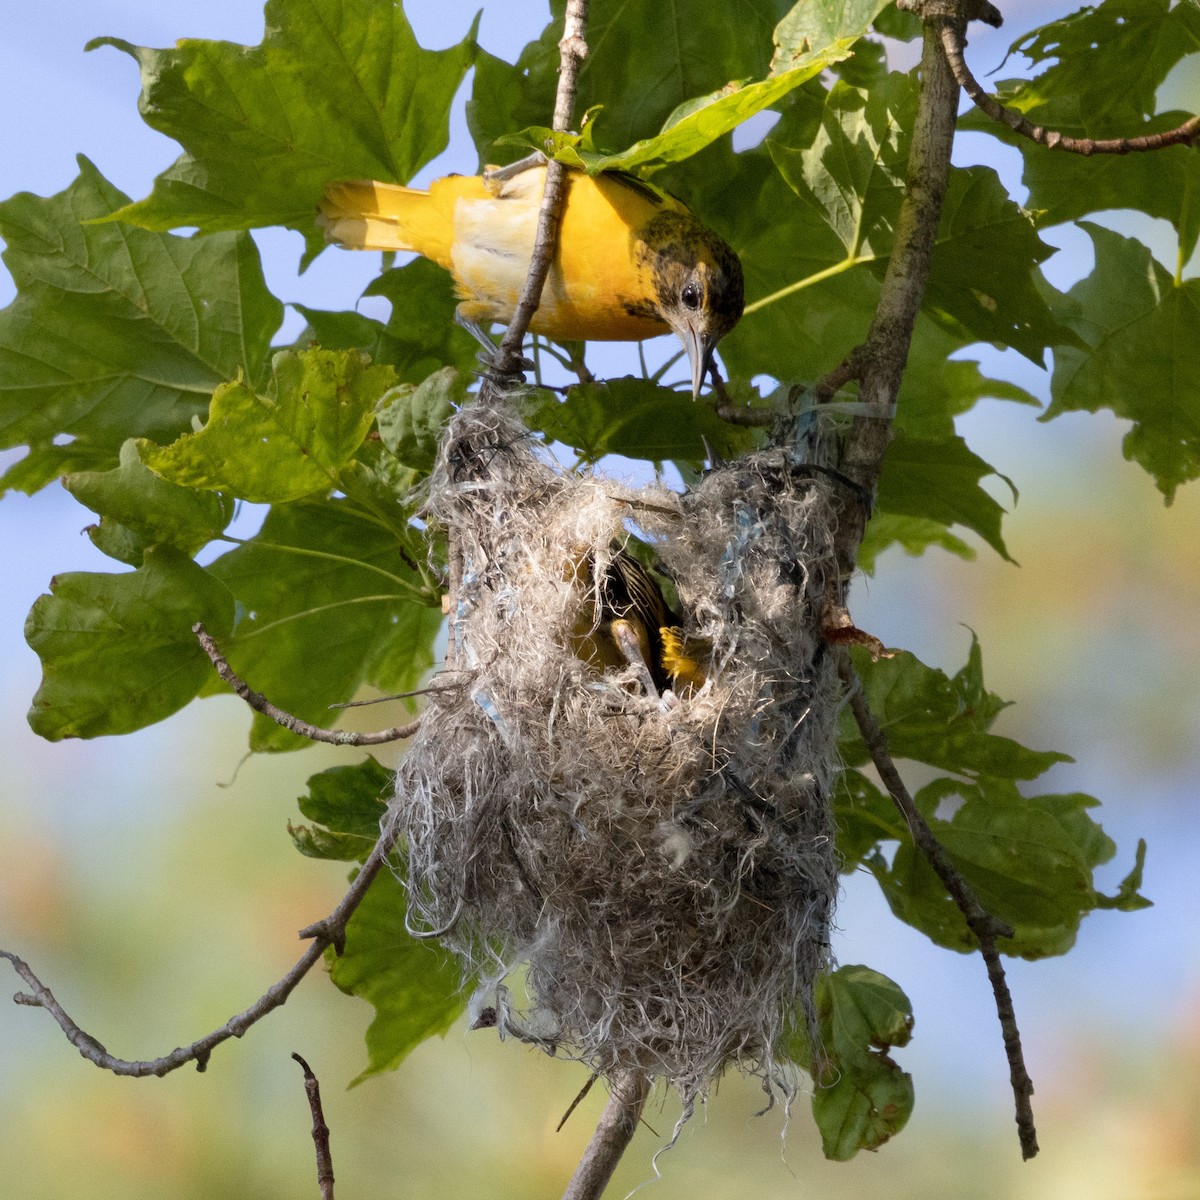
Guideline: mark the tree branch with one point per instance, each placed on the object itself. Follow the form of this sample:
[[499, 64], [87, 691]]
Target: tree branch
[[331, 931], [879, 363], [953, 45], [320, 1130], [572, 50], [259, 702], [986, 928], [618, 1123]]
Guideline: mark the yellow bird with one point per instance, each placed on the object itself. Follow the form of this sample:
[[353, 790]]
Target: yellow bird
[[632, 261], [635, 626]]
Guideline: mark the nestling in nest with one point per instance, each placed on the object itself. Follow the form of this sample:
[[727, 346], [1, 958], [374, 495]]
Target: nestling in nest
[[630, 800]]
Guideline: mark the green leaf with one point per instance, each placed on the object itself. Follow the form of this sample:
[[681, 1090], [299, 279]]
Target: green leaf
[[347, 330], [117, 651], [150, 510], [809, 40], [508, 96], [642, 64], [806, 308], [985, 265], [423, 300], [1029, 861], [811, 26], [286, 444], [47, 461], [411, 418], [938, 479], [326, 605], [1141, 357], [914, 535], [862, 1098], [633, 417], [420, 336], [348, 803], [1109, 59], [413, 985], [350, 799], [117, 332], [1106, 65], [334, 91], [850, 167], [864, 817], [1066, 187], [943, 721], [936, 388], [702, 121], [322, 843], [903, 26], [1129, 897], [865, 1106], [381, 485]]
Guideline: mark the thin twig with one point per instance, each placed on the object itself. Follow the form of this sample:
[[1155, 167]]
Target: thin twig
[[953, 44], [320, 1130], [331, 931], [747, 417], [583, 1091], [618, 1123], [849, 369], [572, 50], [737, 414], [986, 928], [259, 702]]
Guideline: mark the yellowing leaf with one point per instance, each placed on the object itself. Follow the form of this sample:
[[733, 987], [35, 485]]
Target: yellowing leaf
[[284, 445]]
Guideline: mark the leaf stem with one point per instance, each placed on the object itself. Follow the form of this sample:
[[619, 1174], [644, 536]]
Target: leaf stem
[[309, 612], [838, 268], [329, 556]]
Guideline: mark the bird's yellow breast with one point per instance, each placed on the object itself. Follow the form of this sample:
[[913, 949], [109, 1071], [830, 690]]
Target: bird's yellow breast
[[599, 286]]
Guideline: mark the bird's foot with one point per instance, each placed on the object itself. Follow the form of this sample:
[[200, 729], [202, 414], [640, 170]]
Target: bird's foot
[[502, 369], [504, 174]]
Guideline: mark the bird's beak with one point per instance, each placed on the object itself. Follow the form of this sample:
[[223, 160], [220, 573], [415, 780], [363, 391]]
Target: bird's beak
[[699, 351]]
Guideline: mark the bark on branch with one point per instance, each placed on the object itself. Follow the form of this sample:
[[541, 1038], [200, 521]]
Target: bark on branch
[[572, 51], [331, 931], [618, 1123], [260, 703], [953, 45], [879, 363], [986, 928], [320, 1130]]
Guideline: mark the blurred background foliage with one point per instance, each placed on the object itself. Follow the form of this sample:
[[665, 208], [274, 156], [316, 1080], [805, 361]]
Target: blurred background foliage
[[151, 881]]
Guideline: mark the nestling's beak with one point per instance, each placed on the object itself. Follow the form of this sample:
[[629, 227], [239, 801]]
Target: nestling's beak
[[699, 349]]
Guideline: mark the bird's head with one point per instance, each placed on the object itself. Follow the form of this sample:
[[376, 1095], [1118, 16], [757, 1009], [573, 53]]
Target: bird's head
[[697, 281]]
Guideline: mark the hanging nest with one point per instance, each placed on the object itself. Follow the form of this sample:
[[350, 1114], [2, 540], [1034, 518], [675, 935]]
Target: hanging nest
[[662, 865]]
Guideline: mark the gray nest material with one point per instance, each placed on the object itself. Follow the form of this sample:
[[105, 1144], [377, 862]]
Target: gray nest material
[[663, 867]]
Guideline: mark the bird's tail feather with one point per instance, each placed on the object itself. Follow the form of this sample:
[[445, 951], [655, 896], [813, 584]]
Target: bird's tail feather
[[362, 214]]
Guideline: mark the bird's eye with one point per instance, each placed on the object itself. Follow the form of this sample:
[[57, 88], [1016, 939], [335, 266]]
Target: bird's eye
[[690, 295]]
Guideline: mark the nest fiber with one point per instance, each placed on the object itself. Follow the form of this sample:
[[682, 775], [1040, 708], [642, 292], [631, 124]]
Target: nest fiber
[[662, 867]]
